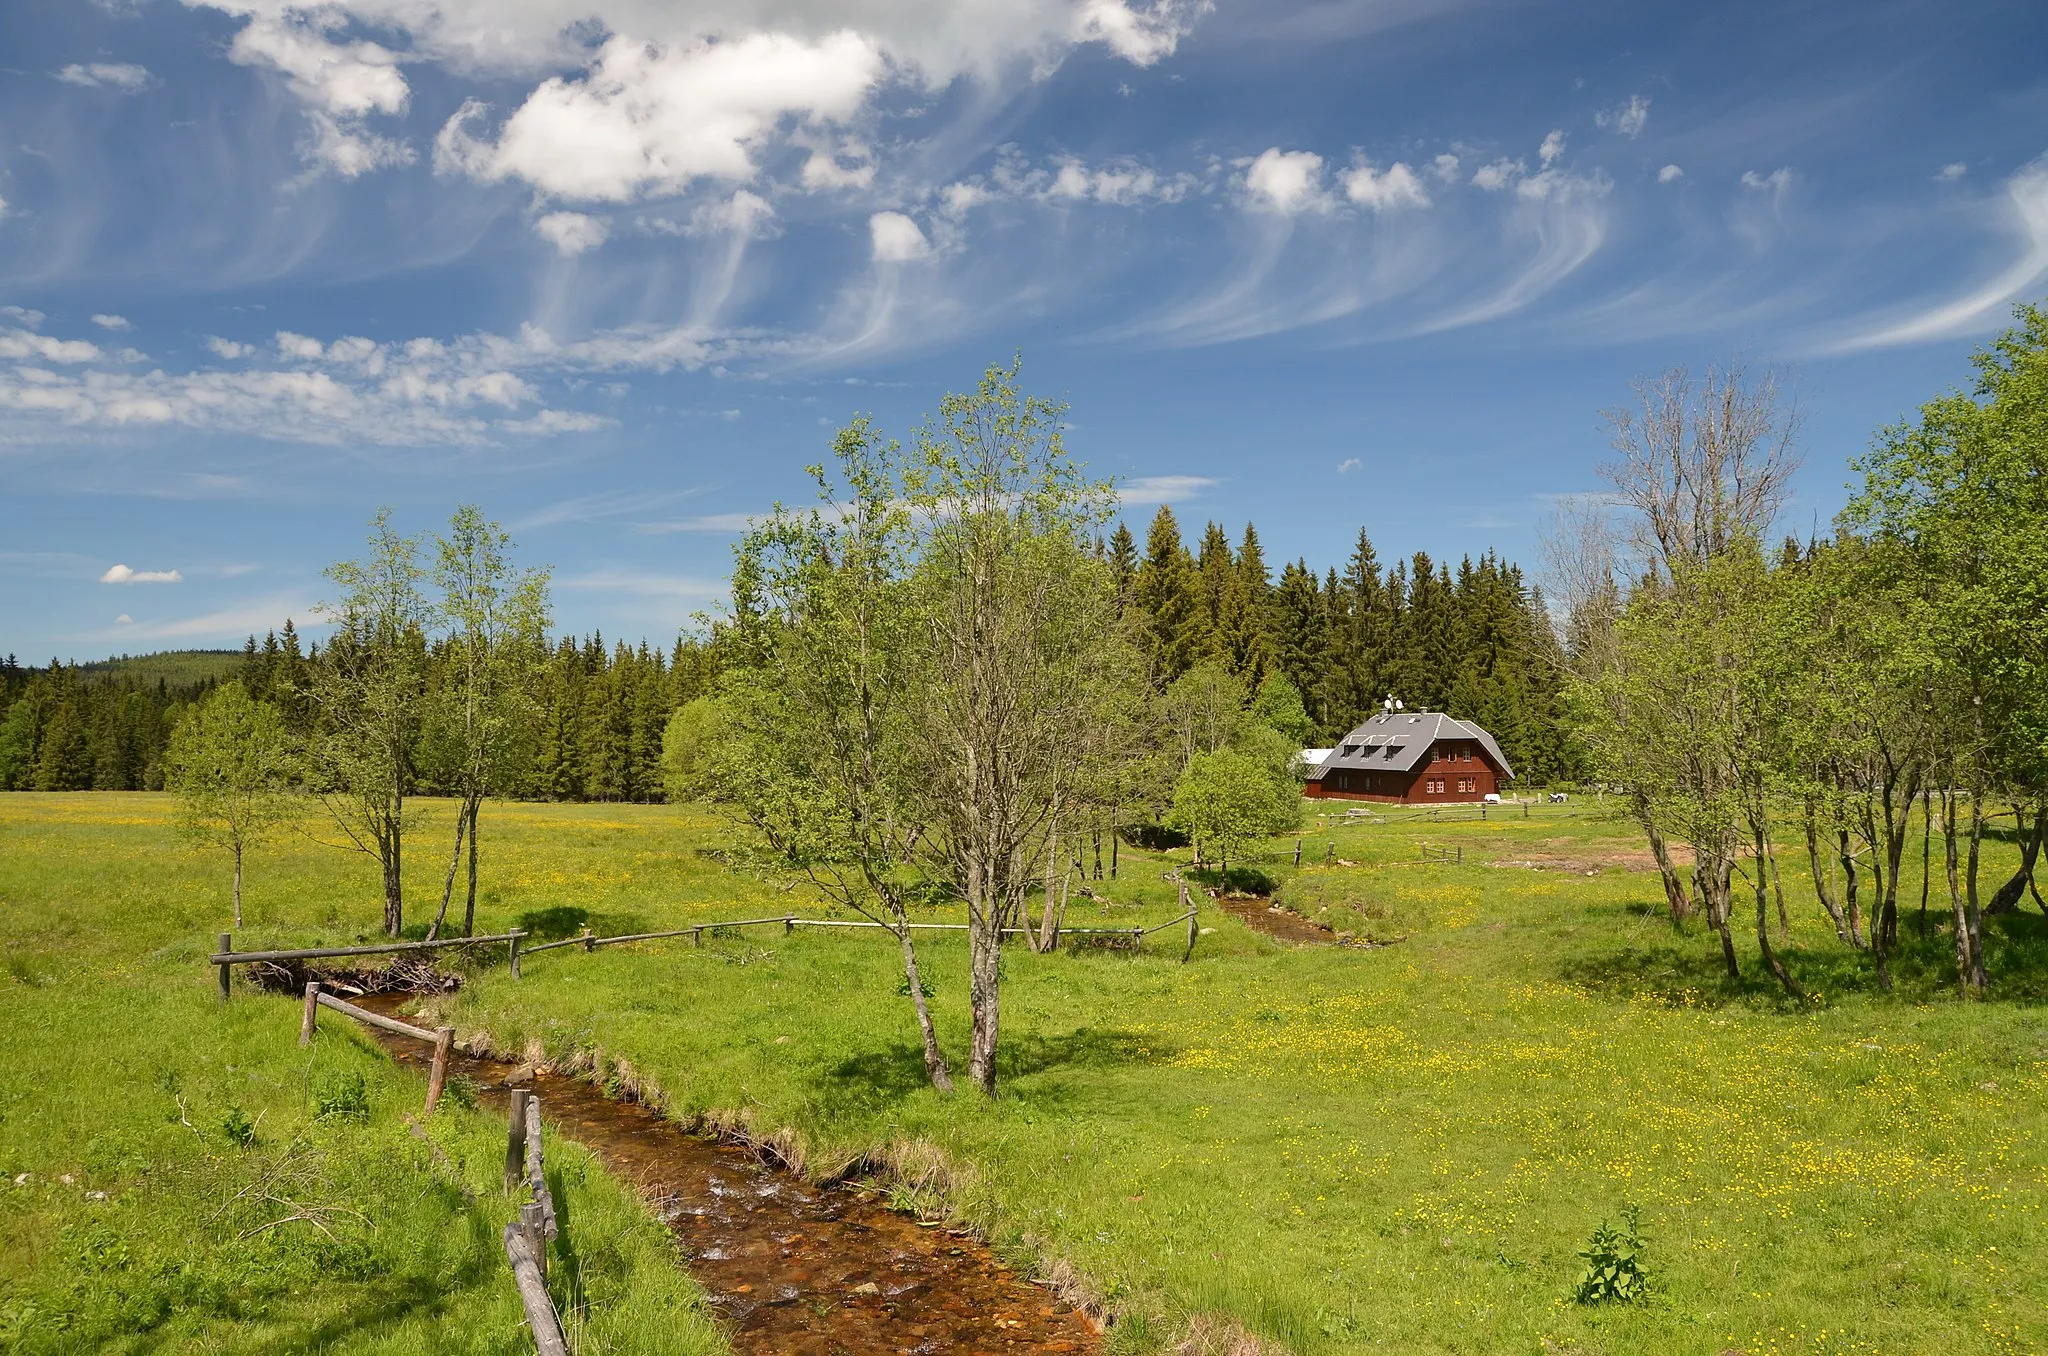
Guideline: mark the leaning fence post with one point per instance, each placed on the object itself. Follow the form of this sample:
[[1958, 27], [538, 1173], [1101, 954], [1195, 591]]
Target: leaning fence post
[[227, 947], [1297, 852], [532, 1129], [444, 1037], [515, 1141], [516, 935], [312, 1006], [589, 941]]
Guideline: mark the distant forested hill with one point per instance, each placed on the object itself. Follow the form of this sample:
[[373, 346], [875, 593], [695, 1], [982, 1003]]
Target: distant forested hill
[[173, 668]]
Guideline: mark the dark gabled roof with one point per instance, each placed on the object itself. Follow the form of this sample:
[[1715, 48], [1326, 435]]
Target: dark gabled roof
[[1397, 742]]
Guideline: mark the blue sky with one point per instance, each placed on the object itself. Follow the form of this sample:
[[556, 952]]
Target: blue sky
[[614, 269]]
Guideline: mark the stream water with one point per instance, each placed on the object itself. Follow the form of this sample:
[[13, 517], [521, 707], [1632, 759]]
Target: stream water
[[797, 1269]]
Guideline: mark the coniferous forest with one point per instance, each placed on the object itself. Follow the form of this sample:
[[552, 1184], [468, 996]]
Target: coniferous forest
[[1471, 640]]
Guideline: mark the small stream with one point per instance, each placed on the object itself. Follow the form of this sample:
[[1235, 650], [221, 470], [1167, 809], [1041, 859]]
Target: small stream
[[797, 1269]]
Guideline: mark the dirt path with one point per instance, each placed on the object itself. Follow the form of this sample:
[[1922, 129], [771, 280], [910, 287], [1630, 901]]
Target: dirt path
[[799, 1270]]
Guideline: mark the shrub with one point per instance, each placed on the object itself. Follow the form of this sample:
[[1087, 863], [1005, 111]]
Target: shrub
[[343, 1094], [1614, 1266]]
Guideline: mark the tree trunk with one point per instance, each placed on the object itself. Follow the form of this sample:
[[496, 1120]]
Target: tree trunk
[[1711, 873], [238, 882], [1674, 888], [1043, 943], [1926, 857], [1762, 863], [476, 802], [1851, 909], [984, 996], [390, 845], [934, 1061], [1820, 878], [2008, 895], [454, 864], [1973, 916], [1951, 855], [1778, 892]]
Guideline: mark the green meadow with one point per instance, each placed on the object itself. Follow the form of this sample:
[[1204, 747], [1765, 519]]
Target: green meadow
[[1397, 1147]]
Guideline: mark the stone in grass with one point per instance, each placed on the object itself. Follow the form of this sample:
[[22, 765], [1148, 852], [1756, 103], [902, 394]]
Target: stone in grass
[[867, 1288]]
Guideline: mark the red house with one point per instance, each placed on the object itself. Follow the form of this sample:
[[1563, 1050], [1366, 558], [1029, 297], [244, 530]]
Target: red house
[[1412, 758]]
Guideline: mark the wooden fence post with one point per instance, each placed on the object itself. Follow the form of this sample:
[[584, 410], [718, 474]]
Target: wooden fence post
[[1297, 852], [312, 1006], [444, 1037], [533, 1294], [536, 1236], [516, 935], [533, 1163], [696, 936], [227, 945], [1330, 858], [515, 1141], [788, 924], [589, 940]]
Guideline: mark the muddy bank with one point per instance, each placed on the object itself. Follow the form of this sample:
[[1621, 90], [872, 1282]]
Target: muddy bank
[[1262, 915], [796, 1268]]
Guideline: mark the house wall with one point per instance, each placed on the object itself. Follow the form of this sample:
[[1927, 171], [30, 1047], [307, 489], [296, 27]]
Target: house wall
[[1457, 772]]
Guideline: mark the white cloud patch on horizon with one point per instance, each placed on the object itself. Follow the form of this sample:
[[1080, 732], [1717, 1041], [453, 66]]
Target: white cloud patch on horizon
[[1629, 119], [1150, 491], [228, 348], [112, 322], [227, 625], [1286, 181], [572, 233], [2022, 209], [1348, 465], [121, 75], [1951, 172], [1552, 147], [23, 345], [122, 574], [1670, 174], [895, 239], [1384, 191]]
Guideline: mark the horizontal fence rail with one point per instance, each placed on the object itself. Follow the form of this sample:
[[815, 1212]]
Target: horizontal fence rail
[[441, 1038], [227, 956], [527, 1238]]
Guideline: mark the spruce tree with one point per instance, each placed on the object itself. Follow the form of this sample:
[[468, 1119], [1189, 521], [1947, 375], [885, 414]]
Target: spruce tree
[[1166, 591], [1123, 567]]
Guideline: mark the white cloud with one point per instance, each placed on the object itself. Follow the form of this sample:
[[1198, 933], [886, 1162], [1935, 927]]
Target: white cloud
[[1951, 172], [1670, 174], [2025, 209], [1552, 147], [348, 79], [344, 147], [545, 422], [228, 348], [1348, 465], [849, 164], [649, 119], [300, 346], [573, 232], [22, 315], [1140, 36], [228, 624], [1556, 185], [123, 76], [112, 322], [1629, 119], [896, 238], [1146, 491], [1286, 181], [123, 620], [1386, 191], [122, 574], [22, 345], [1776, 182], [730, 523], [1444, 168], [1502, 173]]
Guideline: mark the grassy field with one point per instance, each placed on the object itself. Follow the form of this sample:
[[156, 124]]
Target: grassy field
[[1387, 1149]]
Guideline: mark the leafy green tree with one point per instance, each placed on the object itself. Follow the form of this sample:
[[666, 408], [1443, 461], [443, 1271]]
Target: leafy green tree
[[689, 749], [1226, 801], [230, 766], [369, 696], [497, 617]]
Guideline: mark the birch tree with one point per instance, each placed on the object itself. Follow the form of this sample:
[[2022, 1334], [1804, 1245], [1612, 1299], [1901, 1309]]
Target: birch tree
[[368, 694], [230, 765]]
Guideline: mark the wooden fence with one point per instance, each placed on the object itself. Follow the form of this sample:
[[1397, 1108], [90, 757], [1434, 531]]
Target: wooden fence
[[1434, 852], [441, 1038], [527, 1238], [227, 957]]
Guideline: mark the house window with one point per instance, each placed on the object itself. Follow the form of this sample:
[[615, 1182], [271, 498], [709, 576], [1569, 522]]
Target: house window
[[1466, 784], [1434, 786]]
